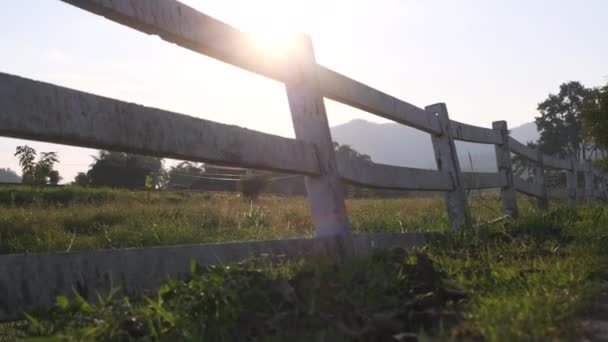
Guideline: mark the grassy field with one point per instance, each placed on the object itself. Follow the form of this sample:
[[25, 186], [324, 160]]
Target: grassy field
[[62, 219], [525, 279]]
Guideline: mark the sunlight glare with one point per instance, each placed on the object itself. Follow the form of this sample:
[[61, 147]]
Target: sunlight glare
[[275, 23]]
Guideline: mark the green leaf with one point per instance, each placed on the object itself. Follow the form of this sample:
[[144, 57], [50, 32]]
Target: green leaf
[[63, 302]]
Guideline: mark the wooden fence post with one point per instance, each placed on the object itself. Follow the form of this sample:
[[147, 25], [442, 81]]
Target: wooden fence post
[[504, 165], [539, 170], [325, 192], [572, 182], [589, 183], [447, 161]]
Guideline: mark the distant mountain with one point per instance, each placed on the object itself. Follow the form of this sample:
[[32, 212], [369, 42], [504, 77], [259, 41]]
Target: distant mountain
[[396, 144]]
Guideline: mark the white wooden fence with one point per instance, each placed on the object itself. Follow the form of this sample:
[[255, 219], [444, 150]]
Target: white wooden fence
[[46, 112]]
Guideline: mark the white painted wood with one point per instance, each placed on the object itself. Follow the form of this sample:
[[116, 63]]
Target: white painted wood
[[483, 180], [348, 91], [589, 183], [551, 162], [523, 150], [572, 183], [325, 192], [481, 135], [539, 178], [503, 163], [40, 111], [447, 162], [528, 188], [391, 177]]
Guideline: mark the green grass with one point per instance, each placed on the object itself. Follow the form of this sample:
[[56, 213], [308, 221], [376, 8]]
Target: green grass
[[525, 279]]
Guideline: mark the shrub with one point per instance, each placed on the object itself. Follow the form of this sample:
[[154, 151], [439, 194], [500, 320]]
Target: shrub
[[251, 185]]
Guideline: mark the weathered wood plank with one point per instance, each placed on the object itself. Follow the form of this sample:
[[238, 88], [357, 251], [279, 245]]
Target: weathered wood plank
[[447, 162], [523, 150], [32, 280], [481, 135], [528, 188], [325, 192], [391, 177], [483, 180], [556, 163], [504, 164], [180, 24], [348, 91], [41, 111]]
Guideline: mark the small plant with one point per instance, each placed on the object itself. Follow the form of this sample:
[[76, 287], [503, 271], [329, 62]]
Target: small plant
[[149, 185]]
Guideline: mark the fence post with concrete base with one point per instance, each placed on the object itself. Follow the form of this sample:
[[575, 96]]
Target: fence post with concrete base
[[539, 173], [447, 162], [503, 163], [325, 192]]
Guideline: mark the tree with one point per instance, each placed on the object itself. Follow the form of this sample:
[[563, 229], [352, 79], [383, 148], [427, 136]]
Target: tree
[[123, 170], [595, 117], [184, 174], [37, 173], [54, 177], [81, 179], [349, 152], [26, 156], [560, 123]]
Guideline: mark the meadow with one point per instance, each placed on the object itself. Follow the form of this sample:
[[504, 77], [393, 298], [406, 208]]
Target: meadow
[[532, 278]]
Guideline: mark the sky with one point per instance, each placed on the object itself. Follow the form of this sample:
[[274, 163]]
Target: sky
[[487, 60]]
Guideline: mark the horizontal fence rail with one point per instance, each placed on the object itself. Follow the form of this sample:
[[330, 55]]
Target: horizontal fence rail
[[345, 90], [464, 132], [32, 280], [562, 193], [391, 177], [528, 188], [40, 111], [556, 163], [523, 150], [483, 180]]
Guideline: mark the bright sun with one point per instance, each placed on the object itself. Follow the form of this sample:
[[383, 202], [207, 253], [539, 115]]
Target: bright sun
[[274, 23]]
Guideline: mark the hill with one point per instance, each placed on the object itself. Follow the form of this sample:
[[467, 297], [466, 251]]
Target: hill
[[9, 176]]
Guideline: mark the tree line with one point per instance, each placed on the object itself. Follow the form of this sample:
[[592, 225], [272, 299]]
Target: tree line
[[572, 122]]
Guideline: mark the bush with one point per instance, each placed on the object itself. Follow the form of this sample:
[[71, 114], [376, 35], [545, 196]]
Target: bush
[[251, 186]]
